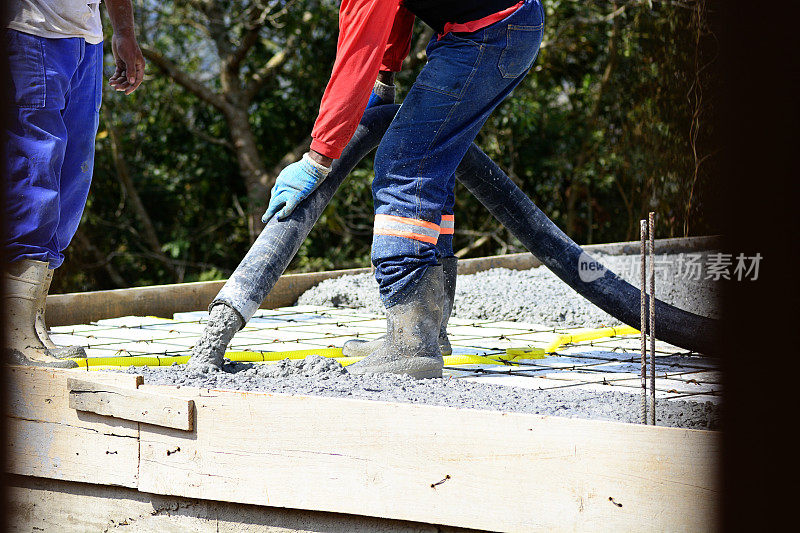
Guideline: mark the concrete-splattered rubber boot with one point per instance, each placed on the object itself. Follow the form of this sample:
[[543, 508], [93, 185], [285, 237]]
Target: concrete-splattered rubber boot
[[450, 271], [411, 344], [23, 282], [59, 352], [362, 348]]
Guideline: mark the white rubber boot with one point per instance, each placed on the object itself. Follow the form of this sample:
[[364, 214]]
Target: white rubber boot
[[411, 343], [60, 352], [362, 348], [23, 283]]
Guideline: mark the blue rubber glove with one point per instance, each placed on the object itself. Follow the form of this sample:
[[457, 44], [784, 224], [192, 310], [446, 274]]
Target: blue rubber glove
[[293, 185], [381, 94]]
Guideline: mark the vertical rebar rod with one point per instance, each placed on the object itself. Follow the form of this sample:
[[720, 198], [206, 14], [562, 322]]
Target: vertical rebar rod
[[643, 315], [651, 229]]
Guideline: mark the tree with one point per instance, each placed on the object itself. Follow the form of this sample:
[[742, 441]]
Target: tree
[[612, 122], [247, 45]]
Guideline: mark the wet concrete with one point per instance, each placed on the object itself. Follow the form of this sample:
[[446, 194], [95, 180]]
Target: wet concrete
[[208, 353], [325, 377], [534, 296], [537, 296]]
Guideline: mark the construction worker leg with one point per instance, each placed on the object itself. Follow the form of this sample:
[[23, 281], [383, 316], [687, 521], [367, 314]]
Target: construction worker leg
[[467, 76], [81, 118], [50, 142], [447, 226], [50, 121], [36, 142]]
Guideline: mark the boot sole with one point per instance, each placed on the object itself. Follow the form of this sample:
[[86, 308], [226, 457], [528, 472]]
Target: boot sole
[[15, 357], [416, 367]]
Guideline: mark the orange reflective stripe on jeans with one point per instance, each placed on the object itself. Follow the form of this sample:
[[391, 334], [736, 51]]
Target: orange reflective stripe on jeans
[[409, 228], [448, 224]]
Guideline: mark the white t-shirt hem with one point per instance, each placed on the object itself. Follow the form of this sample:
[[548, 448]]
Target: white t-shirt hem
[[40, 32]]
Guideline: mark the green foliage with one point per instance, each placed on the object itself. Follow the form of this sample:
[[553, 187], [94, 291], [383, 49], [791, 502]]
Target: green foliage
[[611, 123]]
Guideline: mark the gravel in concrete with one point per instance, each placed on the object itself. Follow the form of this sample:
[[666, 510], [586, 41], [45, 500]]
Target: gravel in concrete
[[537, 295]]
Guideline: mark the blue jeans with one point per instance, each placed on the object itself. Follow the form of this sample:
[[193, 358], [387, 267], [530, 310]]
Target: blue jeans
[[57, 85], [466, 77]]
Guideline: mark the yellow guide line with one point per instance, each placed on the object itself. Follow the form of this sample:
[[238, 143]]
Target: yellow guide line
[[98, 363], [589, 336], [511, 354]]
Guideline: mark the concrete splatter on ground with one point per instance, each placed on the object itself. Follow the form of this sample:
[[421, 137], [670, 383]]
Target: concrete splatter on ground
[[318, 376], [537, 295]]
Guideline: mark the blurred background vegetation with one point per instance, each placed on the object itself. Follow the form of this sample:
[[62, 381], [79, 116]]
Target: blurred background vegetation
[[613, 121]]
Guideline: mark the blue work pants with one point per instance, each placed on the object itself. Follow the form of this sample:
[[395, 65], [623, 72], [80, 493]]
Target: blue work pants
[[466, 77], [57, 86]]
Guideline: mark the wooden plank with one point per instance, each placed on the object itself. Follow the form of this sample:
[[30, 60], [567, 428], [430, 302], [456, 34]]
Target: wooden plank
[[36, 504], [157, 300], [47, 438], [41, 393], [165, 300], [117, 379], [524, 261], [72, 452], [131, 404], [467, 468]]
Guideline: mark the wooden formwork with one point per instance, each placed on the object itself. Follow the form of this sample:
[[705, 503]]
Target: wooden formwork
[[166, 458], [485, 470]]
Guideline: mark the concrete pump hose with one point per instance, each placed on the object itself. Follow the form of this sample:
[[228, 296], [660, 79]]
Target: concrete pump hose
[[279, 241]]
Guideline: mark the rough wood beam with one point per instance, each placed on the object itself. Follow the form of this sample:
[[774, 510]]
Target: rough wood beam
[[46, 438], [131, 404], [488, 470], [37, 504]]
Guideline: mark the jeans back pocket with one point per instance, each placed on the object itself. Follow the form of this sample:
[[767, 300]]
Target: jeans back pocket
[[522, 47], [451, 65], [26, 64]]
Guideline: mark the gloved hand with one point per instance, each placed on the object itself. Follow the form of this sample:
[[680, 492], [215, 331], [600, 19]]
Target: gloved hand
[[293, 185], [381, 94]]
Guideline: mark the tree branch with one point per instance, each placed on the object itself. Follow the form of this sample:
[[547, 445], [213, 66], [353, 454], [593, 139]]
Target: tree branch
[[101, 260], [209, 138], [290, 157], [249, 40], [473, 245], [124, 177], [257, 19], [185, 80], [268, 72], [217, 27]]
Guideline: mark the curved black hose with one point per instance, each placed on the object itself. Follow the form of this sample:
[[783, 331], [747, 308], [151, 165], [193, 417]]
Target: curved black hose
[[509, 205], [275, 247]]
